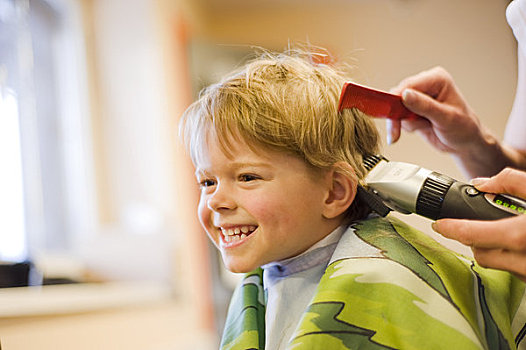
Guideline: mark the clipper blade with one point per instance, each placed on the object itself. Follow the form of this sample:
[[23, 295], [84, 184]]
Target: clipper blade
[[370, 162]]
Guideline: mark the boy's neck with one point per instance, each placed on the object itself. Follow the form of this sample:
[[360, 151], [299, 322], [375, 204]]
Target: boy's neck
[[319, 253]]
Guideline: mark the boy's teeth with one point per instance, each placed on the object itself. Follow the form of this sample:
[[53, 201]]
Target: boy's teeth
[[237, 233]]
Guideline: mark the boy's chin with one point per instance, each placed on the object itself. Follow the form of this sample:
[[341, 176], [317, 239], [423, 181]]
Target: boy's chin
[[239, 267]]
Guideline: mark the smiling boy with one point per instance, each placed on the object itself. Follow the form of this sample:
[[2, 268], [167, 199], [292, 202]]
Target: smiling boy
[[263, 207], [278, 169]]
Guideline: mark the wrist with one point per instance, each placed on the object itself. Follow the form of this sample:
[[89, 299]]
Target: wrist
[[484, 155]]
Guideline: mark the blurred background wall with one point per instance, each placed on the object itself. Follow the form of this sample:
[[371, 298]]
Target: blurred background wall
[[124, 71]]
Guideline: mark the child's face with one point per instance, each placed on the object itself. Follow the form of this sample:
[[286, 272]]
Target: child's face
[[260, 207]]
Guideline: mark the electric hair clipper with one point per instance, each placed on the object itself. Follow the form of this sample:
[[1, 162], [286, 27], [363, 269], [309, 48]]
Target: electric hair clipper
[[409, 188]]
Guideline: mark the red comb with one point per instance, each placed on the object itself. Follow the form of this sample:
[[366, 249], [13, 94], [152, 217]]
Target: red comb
[[376, 103]]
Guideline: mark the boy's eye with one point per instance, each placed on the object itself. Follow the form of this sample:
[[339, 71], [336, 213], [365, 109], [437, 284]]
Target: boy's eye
[[248, 177], [206, 183]]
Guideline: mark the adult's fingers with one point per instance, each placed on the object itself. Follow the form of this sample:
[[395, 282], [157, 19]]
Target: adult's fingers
[[416, 124], [509, 181], [509, 233], [502, 259], [431, 82], [426, 106], [393, 128]]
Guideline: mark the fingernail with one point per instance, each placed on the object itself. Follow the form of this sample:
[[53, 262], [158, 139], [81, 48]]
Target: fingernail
[[389, 138], [478, 181], [434, 226]]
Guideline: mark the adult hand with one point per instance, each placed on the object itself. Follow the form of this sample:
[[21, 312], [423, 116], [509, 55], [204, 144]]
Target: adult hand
[[499, 244], [447, 122], [446, 119]]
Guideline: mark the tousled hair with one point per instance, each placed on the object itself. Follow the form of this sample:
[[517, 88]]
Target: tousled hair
[[286, 102]]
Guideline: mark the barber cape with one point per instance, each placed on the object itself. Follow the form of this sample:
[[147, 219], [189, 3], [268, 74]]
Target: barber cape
[[389, 286]]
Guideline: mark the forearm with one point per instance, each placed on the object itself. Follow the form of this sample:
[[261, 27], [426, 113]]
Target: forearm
[[515, 134], [485, 156], [489, 157], [516, 157]]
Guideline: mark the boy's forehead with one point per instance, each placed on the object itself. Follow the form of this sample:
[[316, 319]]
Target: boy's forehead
[[231, 145], [234, 154]]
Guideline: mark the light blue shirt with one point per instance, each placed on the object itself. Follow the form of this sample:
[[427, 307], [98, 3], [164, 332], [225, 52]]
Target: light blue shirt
[[289, 287]]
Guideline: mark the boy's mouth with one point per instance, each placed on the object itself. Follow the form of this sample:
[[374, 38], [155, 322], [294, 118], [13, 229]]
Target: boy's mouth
[[238, 233]]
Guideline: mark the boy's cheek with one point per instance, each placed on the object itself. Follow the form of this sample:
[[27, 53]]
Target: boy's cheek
[[214, 240], [205, 221], [212, 233], [203, 213], [262, 208]]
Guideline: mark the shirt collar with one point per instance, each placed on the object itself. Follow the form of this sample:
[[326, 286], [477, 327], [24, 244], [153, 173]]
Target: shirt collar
[[317, 254]]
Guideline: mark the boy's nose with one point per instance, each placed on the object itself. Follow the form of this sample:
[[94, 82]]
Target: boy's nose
[[221, 199]]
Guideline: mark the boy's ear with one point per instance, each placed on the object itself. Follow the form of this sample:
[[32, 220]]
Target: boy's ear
[[342, 191]]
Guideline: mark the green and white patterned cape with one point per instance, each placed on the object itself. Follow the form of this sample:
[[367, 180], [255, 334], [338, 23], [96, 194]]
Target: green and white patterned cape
[[415, 295]]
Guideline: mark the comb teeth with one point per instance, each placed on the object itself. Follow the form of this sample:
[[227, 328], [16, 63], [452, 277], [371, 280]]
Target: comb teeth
[[370, 162]]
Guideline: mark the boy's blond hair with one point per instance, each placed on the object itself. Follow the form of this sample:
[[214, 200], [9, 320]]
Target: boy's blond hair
[[286, 102]]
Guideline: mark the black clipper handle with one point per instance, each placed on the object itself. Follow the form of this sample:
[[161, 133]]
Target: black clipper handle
[[464, 201], [443, 197]]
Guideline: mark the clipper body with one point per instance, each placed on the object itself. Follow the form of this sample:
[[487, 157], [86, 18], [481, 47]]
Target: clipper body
[[409, 188]]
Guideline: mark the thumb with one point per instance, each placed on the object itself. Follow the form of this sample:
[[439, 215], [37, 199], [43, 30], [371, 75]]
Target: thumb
[[508, 181]]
